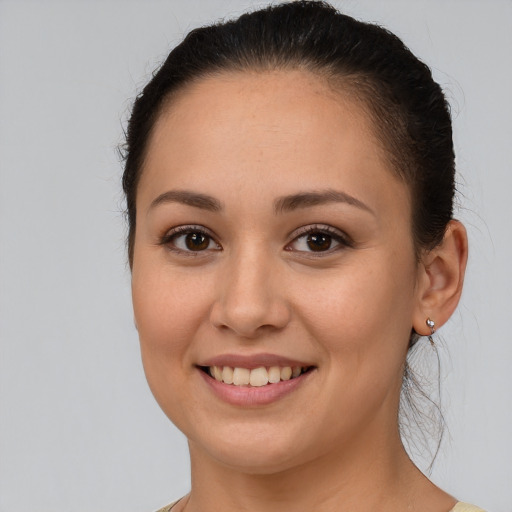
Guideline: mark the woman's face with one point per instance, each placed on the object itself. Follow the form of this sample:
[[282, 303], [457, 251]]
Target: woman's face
[[272, 237]]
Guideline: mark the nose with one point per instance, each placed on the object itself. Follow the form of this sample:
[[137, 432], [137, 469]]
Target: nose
[[250, 299]]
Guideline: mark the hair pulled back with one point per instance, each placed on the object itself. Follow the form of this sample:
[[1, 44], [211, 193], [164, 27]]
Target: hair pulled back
[[410, 115]]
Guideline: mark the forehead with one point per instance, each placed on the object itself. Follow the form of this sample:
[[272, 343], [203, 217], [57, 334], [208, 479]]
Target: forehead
[[276, 107], [289, 128]]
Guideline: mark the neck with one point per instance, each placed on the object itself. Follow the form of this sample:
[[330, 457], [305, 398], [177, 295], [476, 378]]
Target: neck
[[377, 476]]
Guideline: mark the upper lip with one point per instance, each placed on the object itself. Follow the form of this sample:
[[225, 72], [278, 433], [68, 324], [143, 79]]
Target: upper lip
[[252, 361]]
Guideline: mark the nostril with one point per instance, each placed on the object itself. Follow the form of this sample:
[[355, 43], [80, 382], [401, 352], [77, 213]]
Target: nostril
[[251, 319]]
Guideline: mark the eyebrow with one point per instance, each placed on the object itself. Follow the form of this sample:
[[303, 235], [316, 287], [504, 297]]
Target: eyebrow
[[309, 199], [202, 201], [283, 204]]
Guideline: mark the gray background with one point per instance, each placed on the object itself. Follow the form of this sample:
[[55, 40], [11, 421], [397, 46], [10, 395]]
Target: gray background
[[79, 429]]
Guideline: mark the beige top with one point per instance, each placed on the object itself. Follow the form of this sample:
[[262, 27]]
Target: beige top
[[459, 507], [466, 507]]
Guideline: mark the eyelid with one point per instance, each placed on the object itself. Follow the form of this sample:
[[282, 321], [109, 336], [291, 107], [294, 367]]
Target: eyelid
[[167, 238], [339, 236]]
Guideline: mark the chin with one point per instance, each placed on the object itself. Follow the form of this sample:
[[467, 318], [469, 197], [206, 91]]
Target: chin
[[258, 452], [255, 463]]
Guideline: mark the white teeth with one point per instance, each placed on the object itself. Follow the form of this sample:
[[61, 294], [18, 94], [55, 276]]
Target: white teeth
[[256, 377], [217, 373], [241, 376], [259, 377], [274, 374], [227, 375], [286, 373]]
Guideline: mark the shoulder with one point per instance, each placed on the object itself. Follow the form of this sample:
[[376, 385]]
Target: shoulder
[[168, 507], [466, 507]]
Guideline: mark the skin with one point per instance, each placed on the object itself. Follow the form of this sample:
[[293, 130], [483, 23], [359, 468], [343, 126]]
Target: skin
[[248, 140]]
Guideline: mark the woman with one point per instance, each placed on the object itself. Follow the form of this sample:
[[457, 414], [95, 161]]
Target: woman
[[289, 180]]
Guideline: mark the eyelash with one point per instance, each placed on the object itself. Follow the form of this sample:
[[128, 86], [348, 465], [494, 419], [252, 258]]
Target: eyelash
[[169, 239], [336, 235], [344, 241]]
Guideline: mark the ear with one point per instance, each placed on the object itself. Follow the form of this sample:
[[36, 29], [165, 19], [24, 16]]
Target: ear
[[440, 279]]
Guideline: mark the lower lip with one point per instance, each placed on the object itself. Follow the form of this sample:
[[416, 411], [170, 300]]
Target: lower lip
[[247, 396]]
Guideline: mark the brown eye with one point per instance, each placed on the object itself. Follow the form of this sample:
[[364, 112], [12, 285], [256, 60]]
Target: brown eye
[[197, 241], [189, 239], [319, 242], [319, 239]]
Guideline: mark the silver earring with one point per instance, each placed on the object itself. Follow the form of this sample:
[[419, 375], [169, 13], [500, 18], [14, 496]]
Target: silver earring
[[430, 323]]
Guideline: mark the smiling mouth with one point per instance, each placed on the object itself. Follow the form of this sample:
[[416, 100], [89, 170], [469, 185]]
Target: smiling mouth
[[255, 377]]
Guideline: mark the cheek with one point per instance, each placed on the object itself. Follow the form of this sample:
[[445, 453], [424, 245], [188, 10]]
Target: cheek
[[362, 312], [361, 322], [168, 308]]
